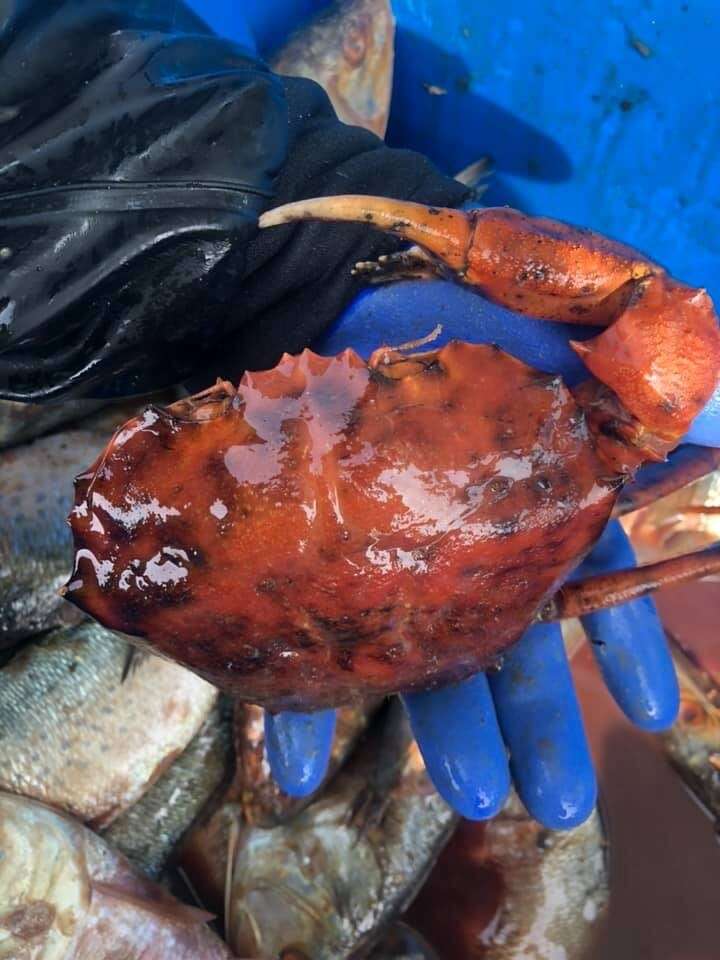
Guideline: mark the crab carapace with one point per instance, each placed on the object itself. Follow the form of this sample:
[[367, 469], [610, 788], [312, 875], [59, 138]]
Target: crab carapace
[[334, 527]]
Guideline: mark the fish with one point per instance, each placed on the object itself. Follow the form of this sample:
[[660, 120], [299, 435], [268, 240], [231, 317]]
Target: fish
[[510, 889], [20, 422], [349, 50], [692, 744], [149, 831], [76, 735], [35, 541], [687, 519], [328, 883], [35, 500], [66, 895], [253, 797]]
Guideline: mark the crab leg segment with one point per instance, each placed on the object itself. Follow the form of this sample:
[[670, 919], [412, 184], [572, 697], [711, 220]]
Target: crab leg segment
[[661, 352], [611, 589], [688, 464]]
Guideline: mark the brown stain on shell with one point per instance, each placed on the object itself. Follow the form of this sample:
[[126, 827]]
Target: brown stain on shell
[[29, 921], [338, 528]]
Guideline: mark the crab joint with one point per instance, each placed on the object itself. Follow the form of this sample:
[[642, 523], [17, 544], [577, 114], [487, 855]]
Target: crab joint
[[611, 589]]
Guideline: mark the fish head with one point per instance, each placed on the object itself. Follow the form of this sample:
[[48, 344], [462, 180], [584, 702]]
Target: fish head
[[349, 51], [303, 886], [363, 81], [44, 884]]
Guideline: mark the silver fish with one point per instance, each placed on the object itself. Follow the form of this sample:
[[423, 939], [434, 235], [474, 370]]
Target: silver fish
[[149, 831], [327, 883], [66, 895], [35, 541], [687, 519], [510, 889], [692, 744], [20, 422], [253, 798], [74, 734], [349, 50]]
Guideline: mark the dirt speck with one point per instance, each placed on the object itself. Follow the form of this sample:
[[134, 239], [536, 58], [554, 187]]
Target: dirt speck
[[639, 46], [29, 921]]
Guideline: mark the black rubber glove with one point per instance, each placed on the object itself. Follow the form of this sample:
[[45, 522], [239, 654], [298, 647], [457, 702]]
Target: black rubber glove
[[136, 151]]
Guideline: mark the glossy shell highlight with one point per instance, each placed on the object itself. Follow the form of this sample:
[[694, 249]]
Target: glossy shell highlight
[[334, 528]]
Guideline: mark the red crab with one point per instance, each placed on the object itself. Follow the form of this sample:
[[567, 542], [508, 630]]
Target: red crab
[[333, 527]]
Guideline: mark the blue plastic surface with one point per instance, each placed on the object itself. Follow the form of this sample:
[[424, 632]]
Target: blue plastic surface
[[227, 20], [602, 114]]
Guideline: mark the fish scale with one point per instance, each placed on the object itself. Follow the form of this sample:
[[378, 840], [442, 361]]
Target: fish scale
[[66, 895], [35, 542], [74, 734], [148, 832]]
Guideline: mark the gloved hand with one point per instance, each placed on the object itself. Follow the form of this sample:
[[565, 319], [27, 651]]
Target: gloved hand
[[136, 151], [130, 262], [528, 708]]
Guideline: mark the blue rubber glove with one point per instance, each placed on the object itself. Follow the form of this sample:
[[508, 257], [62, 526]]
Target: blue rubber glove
[[528, 708]]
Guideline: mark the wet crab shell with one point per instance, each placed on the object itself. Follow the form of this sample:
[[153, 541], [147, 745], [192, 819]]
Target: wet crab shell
[[335, 528]]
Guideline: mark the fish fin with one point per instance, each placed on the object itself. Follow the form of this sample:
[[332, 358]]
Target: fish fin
[[163, 906], [473, 173], [190, 889], [233, 844], [367, 810], [133, 659]]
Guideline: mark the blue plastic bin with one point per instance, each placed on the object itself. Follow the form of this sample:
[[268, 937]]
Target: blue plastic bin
[[602, 114]]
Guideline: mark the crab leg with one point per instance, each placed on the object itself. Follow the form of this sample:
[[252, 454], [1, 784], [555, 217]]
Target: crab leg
[[661, 353], [611, 589], [686, 465]]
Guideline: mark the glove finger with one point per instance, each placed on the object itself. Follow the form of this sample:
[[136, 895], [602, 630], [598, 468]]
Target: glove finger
[[298, 749], [400, 312], [629, 643], [458, 735], [540, 719], [408, 310]]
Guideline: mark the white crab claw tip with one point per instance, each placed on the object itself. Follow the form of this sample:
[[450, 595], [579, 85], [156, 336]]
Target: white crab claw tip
[[272, 218]]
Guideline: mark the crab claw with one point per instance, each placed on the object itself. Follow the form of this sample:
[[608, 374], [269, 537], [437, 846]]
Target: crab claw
[[661, 352], [532, 265], [444, 233]]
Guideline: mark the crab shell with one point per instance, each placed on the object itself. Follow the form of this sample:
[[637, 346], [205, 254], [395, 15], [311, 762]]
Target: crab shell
[[335, 528]]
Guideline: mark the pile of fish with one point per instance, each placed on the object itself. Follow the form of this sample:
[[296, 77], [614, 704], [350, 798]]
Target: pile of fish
[[688, 519], [138, 817]]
